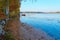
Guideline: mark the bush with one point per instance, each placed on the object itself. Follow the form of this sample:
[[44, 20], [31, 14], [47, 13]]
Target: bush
[[8, 36]]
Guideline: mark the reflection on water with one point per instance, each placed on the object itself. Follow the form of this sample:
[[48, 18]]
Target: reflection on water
[[50, 23]]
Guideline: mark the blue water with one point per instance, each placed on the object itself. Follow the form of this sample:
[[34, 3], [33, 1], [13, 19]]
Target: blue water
[[50, 23]]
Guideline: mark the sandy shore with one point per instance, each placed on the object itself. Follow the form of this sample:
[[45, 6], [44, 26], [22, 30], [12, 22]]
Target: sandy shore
[[27, 32]]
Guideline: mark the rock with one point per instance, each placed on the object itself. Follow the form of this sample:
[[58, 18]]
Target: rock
[[29, 33]]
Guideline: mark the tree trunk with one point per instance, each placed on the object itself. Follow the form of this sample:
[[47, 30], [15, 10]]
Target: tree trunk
[[13, 23]]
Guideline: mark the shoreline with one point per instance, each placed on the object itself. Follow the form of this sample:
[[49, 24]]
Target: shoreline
[[27, 32]]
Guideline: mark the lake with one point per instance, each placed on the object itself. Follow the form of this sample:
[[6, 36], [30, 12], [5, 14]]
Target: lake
[[50, 23]]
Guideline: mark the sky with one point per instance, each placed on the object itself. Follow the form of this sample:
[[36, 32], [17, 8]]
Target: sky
[[41, 5]]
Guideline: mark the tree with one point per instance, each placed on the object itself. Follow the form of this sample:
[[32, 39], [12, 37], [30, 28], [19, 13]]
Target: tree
[[11, 26], [12, 7]]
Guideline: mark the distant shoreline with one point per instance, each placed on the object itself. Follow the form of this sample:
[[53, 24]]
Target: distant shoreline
[[32, 12], [43, 12]]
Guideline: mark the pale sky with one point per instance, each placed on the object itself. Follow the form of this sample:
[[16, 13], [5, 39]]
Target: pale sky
[[41, 5]]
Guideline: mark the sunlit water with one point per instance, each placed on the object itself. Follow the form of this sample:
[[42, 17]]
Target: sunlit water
[[50, 23]]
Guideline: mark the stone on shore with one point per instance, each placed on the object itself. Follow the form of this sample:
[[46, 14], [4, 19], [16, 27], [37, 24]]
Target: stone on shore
[[29, 33]]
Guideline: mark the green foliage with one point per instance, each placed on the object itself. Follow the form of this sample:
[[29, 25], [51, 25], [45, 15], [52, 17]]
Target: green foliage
[[8, 36], [0, 3]]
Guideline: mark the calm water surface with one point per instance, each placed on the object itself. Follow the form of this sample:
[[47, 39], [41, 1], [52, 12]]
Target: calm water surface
[[50, 23]]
